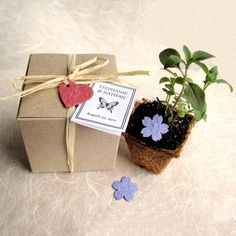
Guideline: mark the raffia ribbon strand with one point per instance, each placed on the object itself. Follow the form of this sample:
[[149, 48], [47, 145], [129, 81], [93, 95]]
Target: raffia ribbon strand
[[81, 74], [70, 138]]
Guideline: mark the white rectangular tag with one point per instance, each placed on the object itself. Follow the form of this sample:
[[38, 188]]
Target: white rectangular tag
[[108, 110]]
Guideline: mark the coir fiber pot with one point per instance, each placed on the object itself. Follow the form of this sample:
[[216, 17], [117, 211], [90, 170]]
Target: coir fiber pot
[[155, 156]]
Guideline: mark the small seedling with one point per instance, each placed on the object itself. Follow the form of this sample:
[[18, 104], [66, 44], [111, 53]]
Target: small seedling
[[190, 97]]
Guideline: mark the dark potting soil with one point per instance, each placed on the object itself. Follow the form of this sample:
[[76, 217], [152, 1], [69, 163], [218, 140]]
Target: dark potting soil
[[171, 140]]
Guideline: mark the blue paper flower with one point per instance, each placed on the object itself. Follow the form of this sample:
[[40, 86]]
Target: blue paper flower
[[154, 127], [124, 189]]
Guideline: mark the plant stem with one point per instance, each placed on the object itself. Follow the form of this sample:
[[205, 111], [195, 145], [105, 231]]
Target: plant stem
[[205, 86], [181, 71], [184, 85], [167, 103], [174, 74], [168, 96]]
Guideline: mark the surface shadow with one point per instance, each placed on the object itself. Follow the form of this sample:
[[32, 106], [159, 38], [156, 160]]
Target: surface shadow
[[12, 143], [123, 149], [152, 160]]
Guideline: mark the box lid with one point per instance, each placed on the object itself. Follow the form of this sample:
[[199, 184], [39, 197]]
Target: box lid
[[47, 103]]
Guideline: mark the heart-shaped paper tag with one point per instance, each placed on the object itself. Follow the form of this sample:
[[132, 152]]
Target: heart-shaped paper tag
[[71, 94]]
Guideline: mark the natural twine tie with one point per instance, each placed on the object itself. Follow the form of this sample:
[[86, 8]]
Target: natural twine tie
[[80, 74]]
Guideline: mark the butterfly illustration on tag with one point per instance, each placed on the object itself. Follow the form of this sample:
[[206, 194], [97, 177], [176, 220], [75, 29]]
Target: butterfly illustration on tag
[[104, 104]]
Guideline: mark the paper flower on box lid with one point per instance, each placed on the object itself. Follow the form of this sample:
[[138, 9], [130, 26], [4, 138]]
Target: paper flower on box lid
[[124, 189], [154, 127]]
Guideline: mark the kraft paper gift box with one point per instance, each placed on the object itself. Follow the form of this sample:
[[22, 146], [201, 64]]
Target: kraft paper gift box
[[42, 120]]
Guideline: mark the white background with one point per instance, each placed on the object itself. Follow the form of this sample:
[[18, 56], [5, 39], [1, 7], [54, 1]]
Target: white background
[[196, 194]]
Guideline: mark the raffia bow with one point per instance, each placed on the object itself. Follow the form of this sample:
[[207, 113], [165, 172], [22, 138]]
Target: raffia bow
[[80, 74]]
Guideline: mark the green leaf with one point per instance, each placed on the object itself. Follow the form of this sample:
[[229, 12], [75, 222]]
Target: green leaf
[[214, 72], [163, 80], [165, 59], [181, 114], [201, 55], [179, 80], [189, 80], [184, 97], [187, 53], [172, 80], [195, 96], [170, 87], [170, 119], [211, 75], [200, 114], [221, 81], [181, 107], [202, 65], [170, 63], [170, 93], [175, 59]]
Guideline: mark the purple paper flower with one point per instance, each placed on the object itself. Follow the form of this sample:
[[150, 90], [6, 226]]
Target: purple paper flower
[[154, 127], [124, 189]]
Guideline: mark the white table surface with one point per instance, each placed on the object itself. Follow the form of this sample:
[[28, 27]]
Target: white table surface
[[196, 194]]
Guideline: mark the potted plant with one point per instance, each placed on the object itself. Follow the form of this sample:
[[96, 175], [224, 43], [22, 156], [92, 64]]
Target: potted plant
[[157, 130]]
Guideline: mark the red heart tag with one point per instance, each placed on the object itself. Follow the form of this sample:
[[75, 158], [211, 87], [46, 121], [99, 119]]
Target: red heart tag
[[71, 94]]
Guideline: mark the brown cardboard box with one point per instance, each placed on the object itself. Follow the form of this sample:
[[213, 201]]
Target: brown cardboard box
[[42, 119]]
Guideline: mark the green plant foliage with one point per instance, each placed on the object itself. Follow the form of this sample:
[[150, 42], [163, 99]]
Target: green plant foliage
[[201, 55], [169, 58], [190, 98], [221, 81], [202, 65], [163, 80], [200, 114], [195, 96], [179, 80], [187, 53]]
